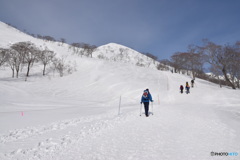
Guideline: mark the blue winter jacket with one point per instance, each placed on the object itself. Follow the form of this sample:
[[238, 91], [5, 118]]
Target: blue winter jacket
[[148, 98]]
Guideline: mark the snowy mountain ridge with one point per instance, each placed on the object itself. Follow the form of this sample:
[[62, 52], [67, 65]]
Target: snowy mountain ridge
[[110, 52]]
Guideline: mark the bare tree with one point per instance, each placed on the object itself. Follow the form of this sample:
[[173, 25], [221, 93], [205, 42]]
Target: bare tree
[[195, 60], [31, 55], [191, 61], [237, 64], [46, 56], [230, 61], [33, 35], [3, 56], [77, 48], [78, 45], [17, 54], [39, 36], [177, 61], [121, 50], [63, 40], [89, 49], [61, 66], [164, 65], [151, 56], [225, 58], [216, 71], [11, 61], [48, 38], [28, 52]]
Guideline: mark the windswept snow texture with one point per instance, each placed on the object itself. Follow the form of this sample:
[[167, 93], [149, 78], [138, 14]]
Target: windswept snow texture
[[76, 117]]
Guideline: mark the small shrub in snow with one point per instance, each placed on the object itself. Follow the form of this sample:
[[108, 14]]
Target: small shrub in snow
[[63, 67]]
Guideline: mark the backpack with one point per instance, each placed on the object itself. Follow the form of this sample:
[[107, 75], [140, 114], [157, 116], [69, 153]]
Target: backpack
[[181, 87], [145, 94]]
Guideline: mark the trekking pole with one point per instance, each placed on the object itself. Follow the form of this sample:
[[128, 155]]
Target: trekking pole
[[152, 108], [119, 106], [141, 110]]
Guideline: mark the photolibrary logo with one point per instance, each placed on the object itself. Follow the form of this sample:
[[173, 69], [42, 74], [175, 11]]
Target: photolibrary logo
[[224, 153]]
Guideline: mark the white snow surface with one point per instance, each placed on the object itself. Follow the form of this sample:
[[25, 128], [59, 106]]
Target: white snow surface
[[75, 117]]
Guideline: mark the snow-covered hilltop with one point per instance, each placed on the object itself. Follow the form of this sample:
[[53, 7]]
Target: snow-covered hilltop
[[117, 52], [111, 51]]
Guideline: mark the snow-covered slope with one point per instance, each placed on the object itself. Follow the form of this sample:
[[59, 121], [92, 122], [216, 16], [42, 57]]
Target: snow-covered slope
[[111, 51], [116, 52], [10, 35], [77, 116]]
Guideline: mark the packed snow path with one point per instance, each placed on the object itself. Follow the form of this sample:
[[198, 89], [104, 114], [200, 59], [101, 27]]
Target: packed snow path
[[182, 127]]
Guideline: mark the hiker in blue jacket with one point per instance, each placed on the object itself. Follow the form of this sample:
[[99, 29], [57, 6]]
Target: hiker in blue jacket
[[146, 97]]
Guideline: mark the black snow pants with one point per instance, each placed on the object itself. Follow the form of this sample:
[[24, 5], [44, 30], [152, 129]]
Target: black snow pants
[[146, 107]]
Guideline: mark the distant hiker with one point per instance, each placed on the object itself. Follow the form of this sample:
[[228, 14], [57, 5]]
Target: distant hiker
[[146, 97], [181, 88], [192, 82], [187, 88]]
